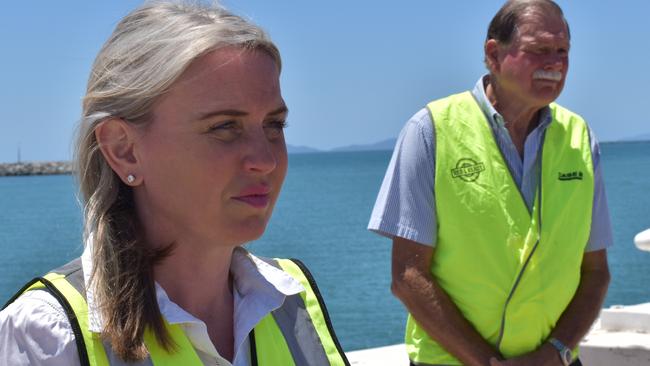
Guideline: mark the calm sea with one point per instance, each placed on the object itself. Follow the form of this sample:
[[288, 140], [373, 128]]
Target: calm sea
[[321, 218]]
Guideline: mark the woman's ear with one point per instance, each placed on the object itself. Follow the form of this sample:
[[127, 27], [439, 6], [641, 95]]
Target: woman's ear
[[117, 141]]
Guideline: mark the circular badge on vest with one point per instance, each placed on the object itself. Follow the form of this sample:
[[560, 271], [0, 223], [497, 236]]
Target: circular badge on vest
[[467, 169]]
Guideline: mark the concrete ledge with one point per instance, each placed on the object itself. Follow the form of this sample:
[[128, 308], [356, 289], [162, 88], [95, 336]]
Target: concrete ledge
[[635, 318], [602, 348], [394, 355], [620, 337]]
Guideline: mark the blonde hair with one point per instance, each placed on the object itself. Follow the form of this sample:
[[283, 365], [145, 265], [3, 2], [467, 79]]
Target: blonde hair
[[148, 50]]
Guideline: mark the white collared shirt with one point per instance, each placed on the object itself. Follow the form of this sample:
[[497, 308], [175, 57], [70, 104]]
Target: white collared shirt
[[34, 330]]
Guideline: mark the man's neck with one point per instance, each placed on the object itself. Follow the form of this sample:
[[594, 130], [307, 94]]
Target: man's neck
[[520, 119]]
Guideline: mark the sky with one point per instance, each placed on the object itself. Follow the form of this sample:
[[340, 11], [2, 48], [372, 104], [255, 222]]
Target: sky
[[353, 71]]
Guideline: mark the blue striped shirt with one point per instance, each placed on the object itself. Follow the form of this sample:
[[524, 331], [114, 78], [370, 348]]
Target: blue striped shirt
[[405, 205]]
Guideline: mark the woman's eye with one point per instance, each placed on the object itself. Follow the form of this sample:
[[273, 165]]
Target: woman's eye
[[275, 129], [222, 126], [225, 130]]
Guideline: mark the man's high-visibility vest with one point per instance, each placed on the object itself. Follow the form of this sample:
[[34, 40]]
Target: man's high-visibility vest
[[511, 272]]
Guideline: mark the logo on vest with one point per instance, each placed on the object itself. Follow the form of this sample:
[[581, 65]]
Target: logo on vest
[[467, 170], [569, 176]]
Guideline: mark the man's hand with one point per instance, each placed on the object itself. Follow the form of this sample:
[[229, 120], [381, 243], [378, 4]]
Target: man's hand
[[546, 355], [431, 307], [578, 316]]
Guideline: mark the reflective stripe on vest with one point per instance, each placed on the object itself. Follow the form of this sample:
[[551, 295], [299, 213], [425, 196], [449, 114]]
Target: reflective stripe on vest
[[510, 272], [297, 333], [316, 343]]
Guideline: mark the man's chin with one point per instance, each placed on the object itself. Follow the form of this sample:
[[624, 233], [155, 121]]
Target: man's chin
[[548, 86], [546, 96]]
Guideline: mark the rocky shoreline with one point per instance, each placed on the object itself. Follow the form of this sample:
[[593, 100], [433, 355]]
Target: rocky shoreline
[[35, 168]]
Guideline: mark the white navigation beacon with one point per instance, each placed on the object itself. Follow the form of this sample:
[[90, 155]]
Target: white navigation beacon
[[642, 240]]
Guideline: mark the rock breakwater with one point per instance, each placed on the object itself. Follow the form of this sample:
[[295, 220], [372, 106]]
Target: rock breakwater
[[35, 168]]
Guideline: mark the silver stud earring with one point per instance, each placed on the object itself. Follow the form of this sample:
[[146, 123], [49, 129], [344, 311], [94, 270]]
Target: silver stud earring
[[130, 178]]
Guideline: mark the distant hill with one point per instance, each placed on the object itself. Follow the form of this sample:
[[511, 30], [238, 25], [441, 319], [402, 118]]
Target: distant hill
[[381, 145], [389, 145], [377, 146], [291, 149], [643, 137]]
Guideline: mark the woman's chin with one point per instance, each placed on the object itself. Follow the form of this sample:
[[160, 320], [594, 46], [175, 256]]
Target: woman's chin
[[252, 237], [241, 234]]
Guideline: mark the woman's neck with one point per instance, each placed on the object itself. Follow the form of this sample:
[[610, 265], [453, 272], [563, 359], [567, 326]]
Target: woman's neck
[[198, 280]]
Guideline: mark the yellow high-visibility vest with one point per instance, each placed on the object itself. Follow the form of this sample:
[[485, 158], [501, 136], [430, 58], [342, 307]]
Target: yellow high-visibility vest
[[511, 272], [298, 333]]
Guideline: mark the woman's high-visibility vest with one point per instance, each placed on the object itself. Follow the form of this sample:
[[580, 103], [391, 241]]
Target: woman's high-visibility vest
[[298, 333], [511, 272]]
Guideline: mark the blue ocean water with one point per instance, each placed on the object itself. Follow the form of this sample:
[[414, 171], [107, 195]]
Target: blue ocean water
[[321, 219]]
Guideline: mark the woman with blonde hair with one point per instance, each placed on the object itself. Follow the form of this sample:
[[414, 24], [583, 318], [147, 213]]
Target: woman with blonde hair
[[180, 159]]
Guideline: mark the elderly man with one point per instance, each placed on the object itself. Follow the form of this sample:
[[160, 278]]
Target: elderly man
[[495, 203]]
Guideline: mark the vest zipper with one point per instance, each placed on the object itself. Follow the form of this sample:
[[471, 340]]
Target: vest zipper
[[512, 292], [539, 237]]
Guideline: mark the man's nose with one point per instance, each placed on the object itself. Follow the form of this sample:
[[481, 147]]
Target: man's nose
[[555, 61]]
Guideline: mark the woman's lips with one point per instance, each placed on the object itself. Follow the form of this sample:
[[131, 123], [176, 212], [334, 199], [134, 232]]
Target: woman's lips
[[255, 200], [257, 196]]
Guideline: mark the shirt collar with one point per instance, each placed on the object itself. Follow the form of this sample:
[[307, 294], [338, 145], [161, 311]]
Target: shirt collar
[[252, 277], [491, 114], [252, 274]]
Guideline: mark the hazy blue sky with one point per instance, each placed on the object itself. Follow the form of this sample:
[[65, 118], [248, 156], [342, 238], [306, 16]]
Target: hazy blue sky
[[354, 71]]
